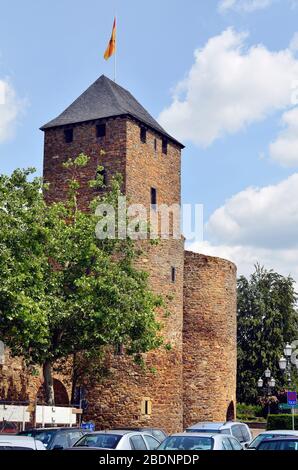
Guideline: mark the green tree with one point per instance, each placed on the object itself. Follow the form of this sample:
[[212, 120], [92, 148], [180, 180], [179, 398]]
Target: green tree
[[267, 320], [62, 290]]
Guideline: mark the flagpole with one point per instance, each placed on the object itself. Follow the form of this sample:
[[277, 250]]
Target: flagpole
[[115, 64], [115, 55]]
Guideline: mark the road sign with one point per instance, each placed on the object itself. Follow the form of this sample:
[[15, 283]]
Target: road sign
[[285, 406], [292, 398]]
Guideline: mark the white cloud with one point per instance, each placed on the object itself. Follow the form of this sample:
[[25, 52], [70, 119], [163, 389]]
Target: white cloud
[[246, 6], [229, 87], [285, 148], [257, 225], [10, 109]]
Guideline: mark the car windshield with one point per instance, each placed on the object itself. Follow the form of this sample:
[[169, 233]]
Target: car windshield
[[104, 441], [44, 436], [187, 443], [261, 437], [279, 445]]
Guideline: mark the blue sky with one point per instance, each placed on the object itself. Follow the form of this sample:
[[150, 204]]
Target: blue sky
[[50, 51]]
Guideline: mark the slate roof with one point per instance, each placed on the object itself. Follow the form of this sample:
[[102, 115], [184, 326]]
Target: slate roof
[[103, 99]]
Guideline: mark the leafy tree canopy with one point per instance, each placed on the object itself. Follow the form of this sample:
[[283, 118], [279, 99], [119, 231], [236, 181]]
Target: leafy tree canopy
[[267, 320], [62, 290]]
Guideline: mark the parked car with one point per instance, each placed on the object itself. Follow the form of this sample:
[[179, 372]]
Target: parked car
[[266, 435], [119, 440], [200, 441], [13, 442], [232, 428], [55, 438], [279, 444], [159, 434]]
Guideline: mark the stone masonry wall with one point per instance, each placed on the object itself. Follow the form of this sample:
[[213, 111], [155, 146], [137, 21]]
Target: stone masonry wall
[[209, 338], [118, 400], [56, 152]]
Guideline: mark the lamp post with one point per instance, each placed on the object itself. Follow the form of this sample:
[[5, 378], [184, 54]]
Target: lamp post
[[285, 363], [267, 385]]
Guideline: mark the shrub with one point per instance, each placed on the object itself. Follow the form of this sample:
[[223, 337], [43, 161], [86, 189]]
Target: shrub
[[282, 421], [248, 412]]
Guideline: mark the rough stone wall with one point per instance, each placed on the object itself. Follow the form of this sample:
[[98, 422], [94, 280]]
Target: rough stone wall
[[209, 338], [117, 400], [18, 383], [57, 151]]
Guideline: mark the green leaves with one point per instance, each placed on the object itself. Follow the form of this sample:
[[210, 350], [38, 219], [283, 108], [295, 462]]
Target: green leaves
[[63, 291], [267, 320]]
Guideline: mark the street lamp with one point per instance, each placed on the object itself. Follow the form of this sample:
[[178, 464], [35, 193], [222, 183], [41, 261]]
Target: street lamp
[[272, 383], [260, 383], [285, 363], [267, 385], [288, 350], [282, 363]]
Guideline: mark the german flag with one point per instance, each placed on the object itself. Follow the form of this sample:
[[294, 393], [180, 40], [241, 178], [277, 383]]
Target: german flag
[[111, 49]]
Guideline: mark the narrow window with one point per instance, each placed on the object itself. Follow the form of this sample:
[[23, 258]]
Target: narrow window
[[146, 406], [155, 145], [153, 196], [103, 174], [173, 274], [68, 135], [143, 135], [100, 130], [164, 146]]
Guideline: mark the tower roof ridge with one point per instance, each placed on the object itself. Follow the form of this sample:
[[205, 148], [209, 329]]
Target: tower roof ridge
[[104, 99]]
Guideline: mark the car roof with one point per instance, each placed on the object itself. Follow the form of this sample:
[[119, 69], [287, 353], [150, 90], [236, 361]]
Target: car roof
[[117, 432], [284, 432], [207, 425], [278, 439], [12, 437], [214, 425], [194, 434], [64, 428]]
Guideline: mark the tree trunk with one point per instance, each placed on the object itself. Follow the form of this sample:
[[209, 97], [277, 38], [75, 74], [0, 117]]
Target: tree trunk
[[49, 383]]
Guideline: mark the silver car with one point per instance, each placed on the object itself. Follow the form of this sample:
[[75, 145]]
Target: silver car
[[200, 441], [12, 442], [118, 440], [270, 435], [231, 428]]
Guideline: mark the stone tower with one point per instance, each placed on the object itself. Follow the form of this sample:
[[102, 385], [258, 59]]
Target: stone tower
[[108, 117]]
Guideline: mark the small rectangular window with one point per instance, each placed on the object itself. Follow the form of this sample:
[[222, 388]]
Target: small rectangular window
[[153, 196], [155, 145], [143, 135], [100, 130], [146, 406], [68, 135], [164, 146], [173, 274]]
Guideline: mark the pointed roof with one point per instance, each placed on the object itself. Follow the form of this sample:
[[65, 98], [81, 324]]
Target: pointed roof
[[103, 99]]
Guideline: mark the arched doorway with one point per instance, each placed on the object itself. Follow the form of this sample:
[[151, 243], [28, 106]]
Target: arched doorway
[[60, 393], [231, 412]]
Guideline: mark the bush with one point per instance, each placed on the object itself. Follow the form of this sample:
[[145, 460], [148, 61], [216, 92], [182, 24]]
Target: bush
[[248, 412], [282, 421]]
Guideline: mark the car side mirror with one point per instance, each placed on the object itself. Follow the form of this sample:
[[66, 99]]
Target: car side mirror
[[245, 446]]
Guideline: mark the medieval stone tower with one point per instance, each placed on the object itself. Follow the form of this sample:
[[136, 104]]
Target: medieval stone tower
[[196, 379]]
